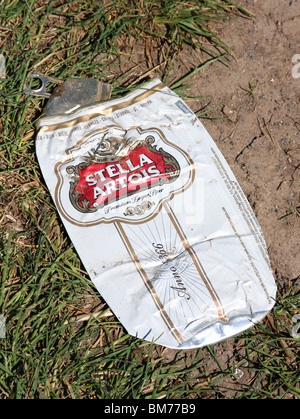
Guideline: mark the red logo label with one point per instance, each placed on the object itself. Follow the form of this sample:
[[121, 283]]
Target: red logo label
[[106, 179]]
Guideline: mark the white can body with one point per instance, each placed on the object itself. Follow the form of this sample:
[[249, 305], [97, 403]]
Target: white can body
[[158, 218]]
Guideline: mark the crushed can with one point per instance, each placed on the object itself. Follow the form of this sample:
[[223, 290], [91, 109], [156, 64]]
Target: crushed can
[[154, 211]]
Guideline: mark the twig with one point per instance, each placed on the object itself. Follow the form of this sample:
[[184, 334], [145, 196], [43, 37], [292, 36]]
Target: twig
[[265, 130]]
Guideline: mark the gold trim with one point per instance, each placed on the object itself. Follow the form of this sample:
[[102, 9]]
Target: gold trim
[[105, 111], [168, 322], [197, 263], [71, 220], [148, 284]]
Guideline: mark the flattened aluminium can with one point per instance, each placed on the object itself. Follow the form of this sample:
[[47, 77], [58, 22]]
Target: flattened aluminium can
[[157, 217]]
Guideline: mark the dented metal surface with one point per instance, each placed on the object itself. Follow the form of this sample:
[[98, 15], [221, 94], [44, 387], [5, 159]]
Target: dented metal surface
[[69, 95], [155, 213]]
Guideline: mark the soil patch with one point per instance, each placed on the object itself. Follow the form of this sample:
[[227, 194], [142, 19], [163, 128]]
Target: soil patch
[[260, 137]]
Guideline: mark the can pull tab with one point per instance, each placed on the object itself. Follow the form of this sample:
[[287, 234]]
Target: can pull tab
[[44, 80]]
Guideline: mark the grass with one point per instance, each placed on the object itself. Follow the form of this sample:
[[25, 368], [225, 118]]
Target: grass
[[61, 339], [250, 90]]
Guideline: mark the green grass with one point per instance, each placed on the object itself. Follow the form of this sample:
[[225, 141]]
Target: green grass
[[55, 345]]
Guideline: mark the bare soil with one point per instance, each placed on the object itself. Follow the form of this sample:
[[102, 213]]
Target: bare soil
[[261, 137], [258, 123]]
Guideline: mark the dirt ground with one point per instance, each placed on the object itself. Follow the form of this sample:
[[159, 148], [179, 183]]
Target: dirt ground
[[261, 138], [258, 132]]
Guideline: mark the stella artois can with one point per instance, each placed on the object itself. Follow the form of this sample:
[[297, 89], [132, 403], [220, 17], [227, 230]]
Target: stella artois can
[[157, 217]]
